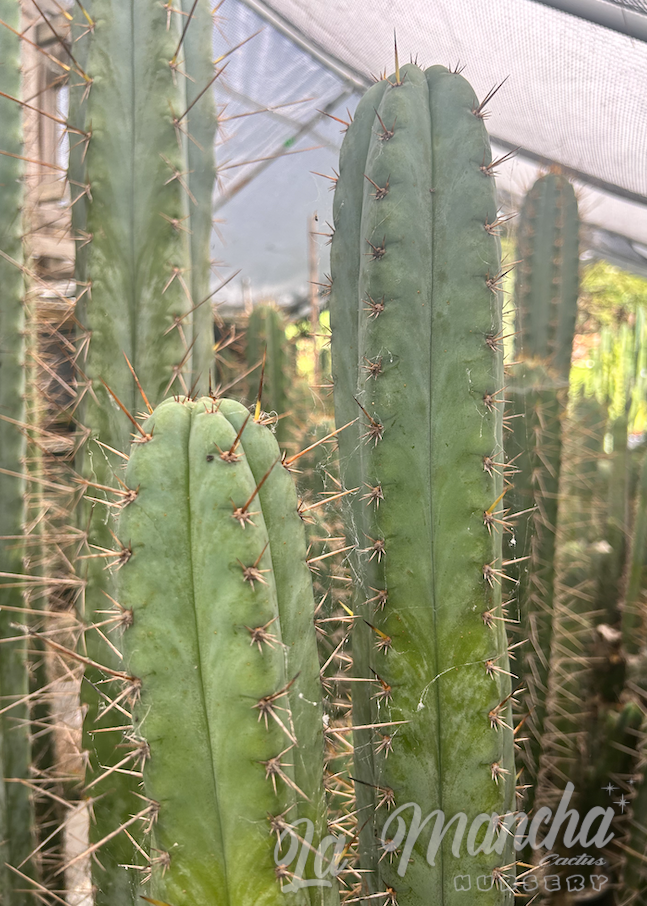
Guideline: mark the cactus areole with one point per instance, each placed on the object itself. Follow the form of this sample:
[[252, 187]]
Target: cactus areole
[[417, 358]]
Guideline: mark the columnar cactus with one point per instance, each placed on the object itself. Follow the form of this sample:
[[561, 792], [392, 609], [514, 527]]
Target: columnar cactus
[[141, 175], [136, 211], [266, 338], [546, 308], [417, 356], [617, 520], [221, 658], [16, 814]]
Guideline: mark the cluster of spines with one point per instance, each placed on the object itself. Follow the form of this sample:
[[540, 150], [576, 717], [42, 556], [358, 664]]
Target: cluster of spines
[[16, 799]]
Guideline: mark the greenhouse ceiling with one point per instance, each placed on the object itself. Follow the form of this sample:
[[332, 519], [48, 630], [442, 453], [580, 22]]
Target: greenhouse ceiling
[[574, 93]]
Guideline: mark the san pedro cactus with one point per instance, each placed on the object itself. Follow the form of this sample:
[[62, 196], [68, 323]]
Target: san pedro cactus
[[579, 560], [141, 107], [266, 339], [221, 658], [16, 814], [136, 211], [617, 520], [624, 352], [546, 308], [417, 355]]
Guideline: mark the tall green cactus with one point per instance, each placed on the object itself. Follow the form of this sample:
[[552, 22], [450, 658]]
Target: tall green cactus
[[135, 204], [16, 813], [141, 172], [546, 308], [416, 326], [266, 337], [222, 655]]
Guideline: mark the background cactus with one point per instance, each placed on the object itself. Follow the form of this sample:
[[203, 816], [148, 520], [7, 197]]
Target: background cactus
[[141, 197], [266, 341], [218, 565], [577, 565], [416, 326], [16, 810], [131, 103], [546, 307]]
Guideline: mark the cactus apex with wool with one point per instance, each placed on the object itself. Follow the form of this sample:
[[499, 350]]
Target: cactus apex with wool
[[417, 360]]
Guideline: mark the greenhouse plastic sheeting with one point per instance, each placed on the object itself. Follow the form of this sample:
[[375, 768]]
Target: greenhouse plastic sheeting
[[575, 94]]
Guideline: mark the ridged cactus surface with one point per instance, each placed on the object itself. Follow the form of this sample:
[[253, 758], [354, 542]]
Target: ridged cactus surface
[[546, 308], [16, 814], [141, 176], [222, 652], [135, 207], [416, 326]]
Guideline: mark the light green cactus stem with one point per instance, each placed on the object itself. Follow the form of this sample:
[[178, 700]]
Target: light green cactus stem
[[222, 655], [416, 327], [141, 203], [546, 307], [617, 366], [16, 813], [266, 337]]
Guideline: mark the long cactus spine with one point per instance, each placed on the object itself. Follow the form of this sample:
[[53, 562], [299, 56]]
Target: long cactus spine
[[416, 324]]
